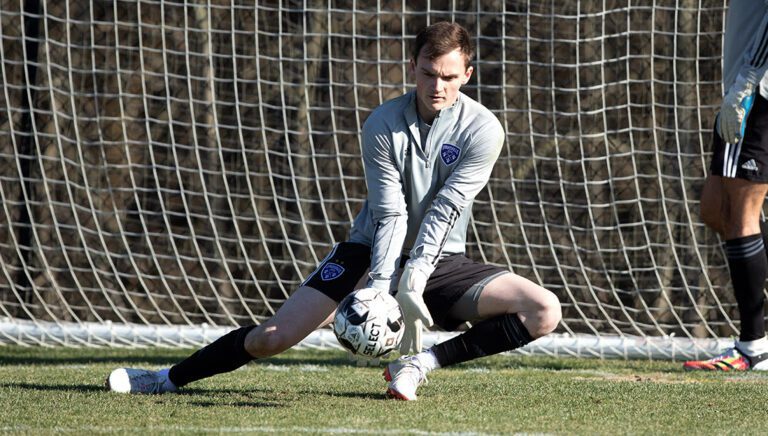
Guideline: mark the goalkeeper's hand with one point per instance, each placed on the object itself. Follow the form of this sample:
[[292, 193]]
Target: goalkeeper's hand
[[735, 108], [410, 297]]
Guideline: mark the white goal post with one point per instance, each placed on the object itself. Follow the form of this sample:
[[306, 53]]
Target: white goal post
[[170, 170]]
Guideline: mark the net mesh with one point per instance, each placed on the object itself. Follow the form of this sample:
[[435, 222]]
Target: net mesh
[[188, 163]]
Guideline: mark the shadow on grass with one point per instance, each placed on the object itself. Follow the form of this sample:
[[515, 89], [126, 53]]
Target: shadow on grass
[[249, 397], [238, 404], [352, 395], [246, 390], [264, 397], [54, 388], [195, 397], [269, 393], [230, 398]]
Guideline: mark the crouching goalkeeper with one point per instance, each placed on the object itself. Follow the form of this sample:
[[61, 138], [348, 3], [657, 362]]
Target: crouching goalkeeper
[[427, 154]]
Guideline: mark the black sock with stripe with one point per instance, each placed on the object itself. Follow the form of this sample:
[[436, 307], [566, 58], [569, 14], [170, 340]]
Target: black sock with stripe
[[487, 337], [222, 355], [749, 267], [764, 232]]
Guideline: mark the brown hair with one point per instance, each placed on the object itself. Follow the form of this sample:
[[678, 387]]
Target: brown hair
[[442, 38]]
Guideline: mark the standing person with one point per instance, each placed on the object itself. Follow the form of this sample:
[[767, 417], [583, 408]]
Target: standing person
[[426, 154], [733, 195]]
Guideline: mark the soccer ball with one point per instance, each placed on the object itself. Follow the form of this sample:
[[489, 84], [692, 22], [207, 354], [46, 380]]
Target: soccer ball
[[369, 323]]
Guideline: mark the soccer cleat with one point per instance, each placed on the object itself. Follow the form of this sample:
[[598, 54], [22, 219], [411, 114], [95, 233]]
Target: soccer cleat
[[139, 381], [731, 360], [404, 375]]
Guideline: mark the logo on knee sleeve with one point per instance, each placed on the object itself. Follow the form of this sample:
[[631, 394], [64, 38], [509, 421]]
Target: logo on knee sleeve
[[331, 271]]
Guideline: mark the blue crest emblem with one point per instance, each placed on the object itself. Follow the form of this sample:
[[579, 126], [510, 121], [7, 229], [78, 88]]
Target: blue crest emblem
[[449, 153], [331, 271]]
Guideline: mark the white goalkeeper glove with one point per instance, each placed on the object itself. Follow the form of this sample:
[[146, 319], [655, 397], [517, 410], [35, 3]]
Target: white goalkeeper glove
[[380, 284], [410, 297], [735, 106]]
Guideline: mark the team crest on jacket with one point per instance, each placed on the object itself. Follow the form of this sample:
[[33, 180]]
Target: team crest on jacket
[[449, 153], [331, 271]]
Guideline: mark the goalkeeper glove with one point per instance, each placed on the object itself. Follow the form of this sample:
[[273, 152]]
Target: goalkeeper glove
[[735, 107], [380, 284], [410, 297]]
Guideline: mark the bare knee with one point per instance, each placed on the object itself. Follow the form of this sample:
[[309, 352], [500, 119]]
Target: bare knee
[[545, 317], [553, 314], [266, 341]]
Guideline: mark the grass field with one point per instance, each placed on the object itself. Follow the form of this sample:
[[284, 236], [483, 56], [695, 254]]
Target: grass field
[[61, 391]]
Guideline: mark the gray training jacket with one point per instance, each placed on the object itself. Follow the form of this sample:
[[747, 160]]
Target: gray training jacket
[[745, 46], [420, 195]]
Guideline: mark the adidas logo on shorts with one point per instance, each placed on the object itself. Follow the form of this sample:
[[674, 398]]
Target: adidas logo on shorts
[[750, 165]]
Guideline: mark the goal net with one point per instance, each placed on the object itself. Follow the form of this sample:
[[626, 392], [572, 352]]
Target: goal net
[[170, 170]]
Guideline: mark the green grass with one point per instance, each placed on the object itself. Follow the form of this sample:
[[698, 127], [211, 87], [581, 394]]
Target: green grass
[[61, 391]]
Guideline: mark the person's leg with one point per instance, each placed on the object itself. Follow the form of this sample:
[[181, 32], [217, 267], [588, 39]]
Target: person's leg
[[311, 306], [745, 251], [510, 311], [739, 223], [305, 311], [731, 204]]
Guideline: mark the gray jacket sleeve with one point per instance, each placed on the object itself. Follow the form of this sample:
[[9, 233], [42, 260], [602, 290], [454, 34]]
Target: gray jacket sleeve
[[756, 58], [386, 204], [460, 189]]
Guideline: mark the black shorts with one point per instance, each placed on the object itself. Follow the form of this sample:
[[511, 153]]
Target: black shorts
[[747, 159], [347, 263]]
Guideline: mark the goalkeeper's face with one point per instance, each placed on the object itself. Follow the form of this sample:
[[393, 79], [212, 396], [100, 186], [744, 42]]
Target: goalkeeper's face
[[438, 81]]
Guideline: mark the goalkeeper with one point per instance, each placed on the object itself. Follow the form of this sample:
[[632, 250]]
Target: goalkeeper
[[733, 195], [427, 154]]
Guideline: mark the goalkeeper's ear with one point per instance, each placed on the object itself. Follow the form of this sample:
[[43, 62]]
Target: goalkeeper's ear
[[467, 75]]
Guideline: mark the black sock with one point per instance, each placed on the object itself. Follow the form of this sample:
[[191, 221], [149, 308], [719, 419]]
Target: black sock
[[222, 355], [764, 232], [748, 264], [488, 337]]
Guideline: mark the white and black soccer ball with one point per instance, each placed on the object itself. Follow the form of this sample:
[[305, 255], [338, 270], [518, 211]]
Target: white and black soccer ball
[[369, 323]]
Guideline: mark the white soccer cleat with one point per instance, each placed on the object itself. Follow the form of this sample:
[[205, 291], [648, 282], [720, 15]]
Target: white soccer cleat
[[404, 375], [139, 381]]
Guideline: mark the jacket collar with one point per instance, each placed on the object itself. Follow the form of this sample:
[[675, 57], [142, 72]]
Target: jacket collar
[[449, 113]]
